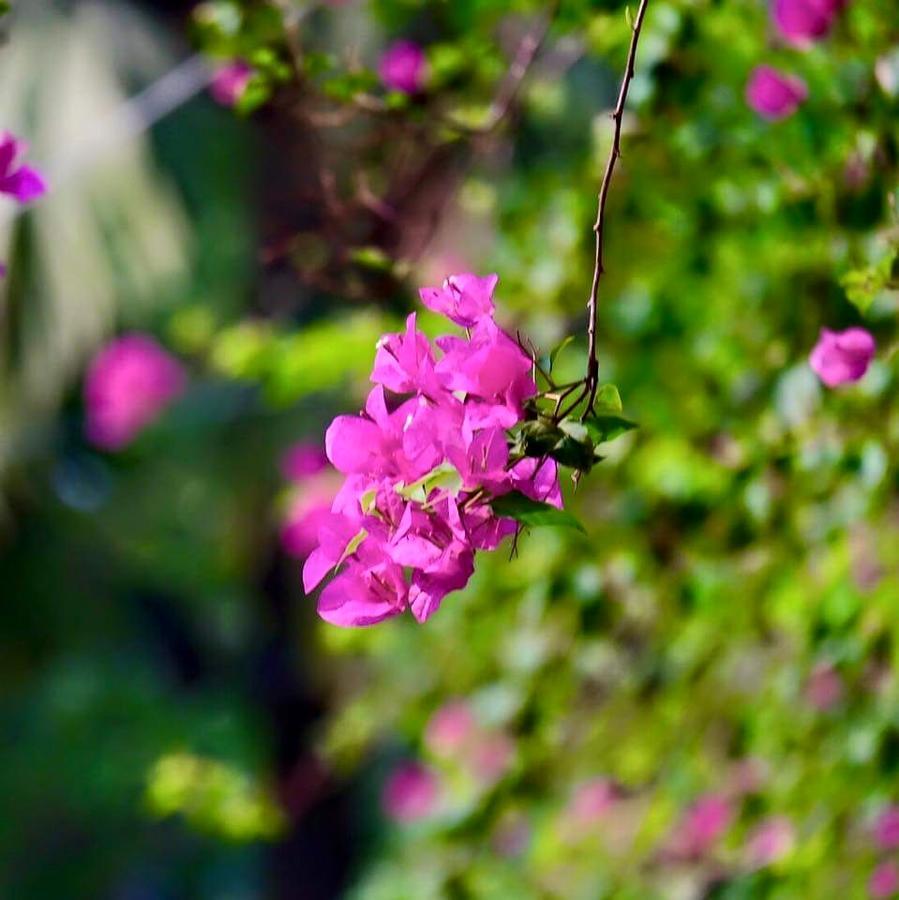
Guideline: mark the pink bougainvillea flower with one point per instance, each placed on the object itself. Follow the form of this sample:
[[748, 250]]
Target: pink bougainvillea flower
[[842, 357], [701, 826], [802, 22], [463, 299], [824, 688], [450, 728], [886, 828], [21, 182], [129, 384], [309, 510], [770, 841], [490, 757], [404, 67], [412, 793], [591, 801], [774, 95], [303, 460], [884, 880], [230, 81], [423, 461]]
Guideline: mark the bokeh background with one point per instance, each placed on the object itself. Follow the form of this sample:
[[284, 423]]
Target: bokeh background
[[696, 699]]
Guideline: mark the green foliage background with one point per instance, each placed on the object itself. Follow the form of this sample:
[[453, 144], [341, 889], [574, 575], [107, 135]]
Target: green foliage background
[[742, 540]]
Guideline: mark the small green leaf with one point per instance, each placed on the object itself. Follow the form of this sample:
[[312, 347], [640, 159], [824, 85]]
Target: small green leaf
[[553, 354], [371, 258], [443, 476], [533, 512], [367, 501], [608, 400], [354, 544], [606, 427], [574, 453], [863, 285]]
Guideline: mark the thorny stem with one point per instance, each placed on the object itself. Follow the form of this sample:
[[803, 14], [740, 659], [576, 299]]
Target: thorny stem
[[592, 378]]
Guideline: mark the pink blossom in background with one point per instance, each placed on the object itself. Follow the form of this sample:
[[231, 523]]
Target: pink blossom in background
[[230, 81], [701, 826], [842, 357], [450, 728], [128, 385], [412, 792], [884, 880], [591, 801], [770, 841], [490, 757], [774, 95], [824, 688], [309, 510], [302, 460], [886, 828], [801, 22], [403, 67], [22, 183]]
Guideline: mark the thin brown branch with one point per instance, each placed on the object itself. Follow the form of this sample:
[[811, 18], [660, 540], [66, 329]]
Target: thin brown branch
[[505, 96], [592, 379]]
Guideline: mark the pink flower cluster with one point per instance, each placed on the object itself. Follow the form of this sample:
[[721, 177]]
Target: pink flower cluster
[[774, 94], [423, 461], [842, 357], [129, 383], [404, 67]]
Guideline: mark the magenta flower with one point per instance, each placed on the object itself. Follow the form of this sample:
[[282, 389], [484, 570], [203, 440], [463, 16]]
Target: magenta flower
[[404, 67], [770, 841], [230, 81], [450, 728], [841, 357], [802, 22], [303, 460], [23, 183], [412, 792], [774, 95], [422, 462], [886, 828], [884, 880], [701, 826], [490, 757], [129, 383], [463, 299]]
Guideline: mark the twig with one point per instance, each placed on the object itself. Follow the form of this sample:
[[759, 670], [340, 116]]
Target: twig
[[592, 379], [508, 90]]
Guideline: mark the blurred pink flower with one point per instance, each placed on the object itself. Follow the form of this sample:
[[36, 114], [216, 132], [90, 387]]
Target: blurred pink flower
[[230, 81], [129, 383], [590, 801], [22, 183], [774, 95], [824, 688], [701, 826], [886, 828], [884, 880], [450, 728], [411, 793], [302, 460], [403, 67], [309, 510], [771, 840], [841, 357], [490, 757], [802, 22]]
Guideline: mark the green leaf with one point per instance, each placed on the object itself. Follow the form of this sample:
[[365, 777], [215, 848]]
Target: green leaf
[[553, 354], [604, 427], [353, 545], [864, 284], [533, 512], [443, 476], [608, 400]]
